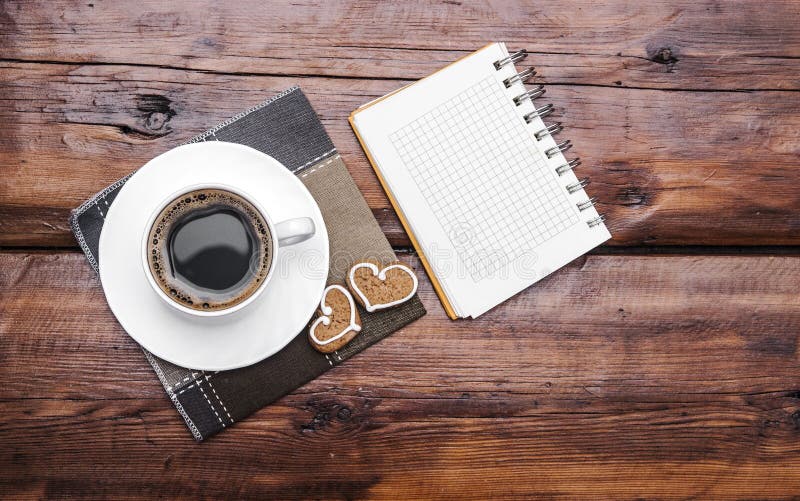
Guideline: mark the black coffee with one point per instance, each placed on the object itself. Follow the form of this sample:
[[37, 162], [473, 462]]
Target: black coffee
[[209, 249]]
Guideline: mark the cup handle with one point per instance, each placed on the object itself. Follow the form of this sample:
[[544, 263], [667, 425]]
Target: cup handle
[[294, 231]]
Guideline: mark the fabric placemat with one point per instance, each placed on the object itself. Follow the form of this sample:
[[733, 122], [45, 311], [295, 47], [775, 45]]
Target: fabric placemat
[[286, 128]]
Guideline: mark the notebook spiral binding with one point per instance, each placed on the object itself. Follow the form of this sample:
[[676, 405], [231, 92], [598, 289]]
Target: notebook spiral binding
[[549, 129]]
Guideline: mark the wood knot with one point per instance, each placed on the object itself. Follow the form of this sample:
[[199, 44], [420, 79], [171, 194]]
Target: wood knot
[[325, 412], [795, 417], [663, 55], [320, 420], [632, 196], [155, 111], [344, 414]]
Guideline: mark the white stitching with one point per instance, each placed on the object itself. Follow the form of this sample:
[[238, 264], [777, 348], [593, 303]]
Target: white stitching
[[172, 396], [76, 229], [108, 189], [316, 159], [328, 359], [201, 137], [208, 380], [187, 378], [82, 242], [199, 385], [187, 388], [304, 174]]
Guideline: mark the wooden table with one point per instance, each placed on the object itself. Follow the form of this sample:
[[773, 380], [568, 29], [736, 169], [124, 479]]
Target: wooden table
[[664, 364]]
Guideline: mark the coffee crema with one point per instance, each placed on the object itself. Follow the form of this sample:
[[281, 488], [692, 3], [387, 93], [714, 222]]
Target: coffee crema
[[209, 249]]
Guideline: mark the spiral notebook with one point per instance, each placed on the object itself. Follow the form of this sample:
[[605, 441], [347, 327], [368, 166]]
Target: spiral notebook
[[479, 180]]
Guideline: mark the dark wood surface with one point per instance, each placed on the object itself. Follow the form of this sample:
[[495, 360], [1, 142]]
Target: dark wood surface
[[663, 365]]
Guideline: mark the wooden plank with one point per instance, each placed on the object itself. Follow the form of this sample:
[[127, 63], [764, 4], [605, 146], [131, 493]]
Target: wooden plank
[[622, 377], [660, 44], [667, 167]]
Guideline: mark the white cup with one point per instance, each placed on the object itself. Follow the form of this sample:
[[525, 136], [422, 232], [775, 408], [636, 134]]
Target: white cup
[[283, 234]]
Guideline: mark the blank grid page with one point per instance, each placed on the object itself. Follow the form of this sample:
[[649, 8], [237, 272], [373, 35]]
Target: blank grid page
[[477, 165]]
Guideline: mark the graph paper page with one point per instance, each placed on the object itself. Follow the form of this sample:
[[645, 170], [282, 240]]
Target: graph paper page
[[480, 195]]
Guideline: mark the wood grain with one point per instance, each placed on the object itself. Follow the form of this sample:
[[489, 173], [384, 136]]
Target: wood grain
[[667, 167], [620, 377], [659, 44]]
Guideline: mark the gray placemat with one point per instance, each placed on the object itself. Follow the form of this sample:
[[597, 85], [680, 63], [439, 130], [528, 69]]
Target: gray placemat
[[286, 128]]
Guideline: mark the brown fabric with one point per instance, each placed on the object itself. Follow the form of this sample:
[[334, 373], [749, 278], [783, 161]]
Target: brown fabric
[[353, 232], [354, 236]]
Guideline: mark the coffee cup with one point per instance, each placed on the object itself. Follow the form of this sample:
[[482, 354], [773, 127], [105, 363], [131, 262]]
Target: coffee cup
[[211, 250]]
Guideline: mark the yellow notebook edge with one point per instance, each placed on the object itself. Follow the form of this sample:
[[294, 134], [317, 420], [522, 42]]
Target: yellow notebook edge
[[448, 308], [437, 287]]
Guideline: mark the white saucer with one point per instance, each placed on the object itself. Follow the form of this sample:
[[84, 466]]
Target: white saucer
[[229, 341]]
